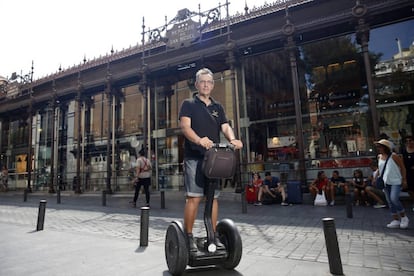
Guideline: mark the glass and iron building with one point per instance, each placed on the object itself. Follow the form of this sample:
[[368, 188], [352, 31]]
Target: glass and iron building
[[307, 85]]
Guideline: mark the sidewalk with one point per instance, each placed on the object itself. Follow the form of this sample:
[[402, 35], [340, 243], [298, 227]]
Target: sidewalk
[[82, 237]]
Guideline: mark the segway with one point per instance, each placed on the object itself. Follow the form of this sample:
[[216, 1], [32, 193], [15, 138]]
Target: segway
[[177, 253]]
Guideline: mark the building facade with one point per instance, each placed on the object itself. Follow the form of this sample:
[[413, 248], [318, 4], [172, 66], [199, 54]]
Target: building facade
[[307, 85]]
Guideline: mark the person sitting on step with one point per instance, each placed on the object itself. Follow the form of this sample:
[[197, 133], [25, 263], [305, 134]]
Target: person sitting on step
[[271, 188]]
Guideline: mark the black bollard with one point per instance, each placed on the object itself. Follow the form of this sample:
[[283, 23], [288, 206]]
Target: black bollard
[[104, 198], [162, 200], [25, 195], [143, 239], [41, 215], [348, 202], [332, 247], [161, 183], [58, 196], [243, 202]]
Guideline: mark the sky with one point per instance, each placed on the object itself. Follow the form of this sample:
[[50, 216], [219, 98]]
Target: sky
[[59, 33], [383, 40], [54, 33]]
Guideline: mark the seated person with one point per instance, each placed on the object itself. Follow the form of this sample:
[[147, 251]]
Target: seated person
[[320, 184], [252, 188], [337, 186], [359, 183], [373, 193], [271, 187]]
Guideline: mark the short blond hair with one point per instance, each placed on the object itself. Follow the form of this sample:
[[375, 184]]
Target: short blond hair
[[203, 71]]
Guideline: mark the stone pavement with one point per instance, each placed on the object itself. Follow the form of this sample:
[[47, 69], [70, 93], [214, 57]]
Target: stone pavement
[[82, 237]]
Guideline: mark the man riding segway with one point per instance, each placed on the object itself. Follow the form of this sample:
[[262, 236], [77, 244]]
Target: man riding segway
[[201, 121]]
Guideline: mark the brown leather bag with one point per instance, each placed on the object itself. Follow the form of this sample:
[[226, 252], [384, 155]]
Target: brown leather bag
[[219, 162]]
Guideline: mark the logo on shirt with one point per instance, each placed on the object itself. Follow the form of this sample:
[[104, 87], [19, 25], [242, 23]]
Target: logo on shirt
[[215, 113]]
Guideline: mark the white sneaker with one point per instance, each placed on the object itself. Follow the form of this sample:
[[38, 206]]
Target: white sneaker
[[332, 203], [394, 224], [404, 222]]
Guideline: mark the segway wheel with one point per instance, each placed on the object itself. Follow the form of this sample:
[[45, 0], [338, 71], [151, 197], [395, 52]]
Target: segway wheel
[[176, 252], [230, 237]]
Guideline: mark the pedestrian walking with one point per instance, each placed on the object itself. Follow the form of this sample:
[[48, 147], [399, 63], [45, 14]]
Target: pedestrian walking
[[392, 168], [143, 177]]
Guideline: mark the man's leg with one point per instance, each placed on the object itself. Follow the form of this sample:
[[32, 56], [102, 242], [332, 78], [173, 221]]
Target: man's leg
[[266, 190], [190, 214], [282, 192], [259, 196], [214, 217], [136, 193], [371, 193], [332, 191], [147, 184]]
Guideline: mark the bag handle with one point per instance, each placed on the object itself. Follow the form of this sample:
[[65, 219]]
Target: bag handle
[[383, 169], [209, 114], [145, 162]]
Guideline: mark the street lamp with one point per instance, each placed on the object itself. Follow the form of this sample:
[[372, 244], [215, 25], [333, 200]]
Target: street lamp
[[28, 79]]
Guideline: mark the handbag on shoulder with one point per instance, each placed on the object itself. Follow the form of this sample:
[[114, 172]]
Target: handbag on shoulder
[[379, 183]]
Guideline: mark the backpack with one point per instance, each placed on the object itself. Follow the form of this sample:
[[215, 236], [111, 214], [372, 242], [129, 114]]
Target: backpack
[[147, 165]]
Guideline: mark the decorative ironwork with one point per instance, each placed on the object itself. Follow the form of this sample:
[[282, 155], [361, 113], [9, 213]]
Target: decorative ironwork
[[359, 10], [184, 29]]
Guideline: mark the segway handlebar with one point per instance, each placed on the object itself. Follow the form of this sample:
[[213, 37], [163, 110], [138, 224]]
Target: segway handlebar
[[223, 145]]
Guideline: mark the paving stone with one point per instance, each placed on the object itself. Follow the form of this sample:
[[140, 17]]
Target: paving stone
[[278, 238]]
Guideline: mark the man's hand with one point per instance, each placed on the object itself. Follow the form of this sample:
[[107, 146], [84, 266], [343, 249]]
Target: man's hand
[[205, 142], [238, 144]]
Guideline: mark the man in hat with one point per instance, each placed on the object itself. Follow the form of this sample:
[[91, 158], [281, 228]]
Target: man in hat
[[392, 170]]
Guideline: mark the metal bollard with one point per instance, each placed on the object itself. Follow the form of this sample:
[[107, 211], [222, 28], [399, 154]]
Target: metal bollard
[[58, 196], [243, 202], [41, 215], [332, 248], [104, 198], [25, 195], [162, 200], [143, 239], [348, 202]]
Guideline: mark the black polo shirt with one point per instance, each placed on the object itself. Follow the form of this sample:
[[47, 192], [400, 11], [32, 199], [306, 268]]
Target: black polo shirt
[[205, 121]]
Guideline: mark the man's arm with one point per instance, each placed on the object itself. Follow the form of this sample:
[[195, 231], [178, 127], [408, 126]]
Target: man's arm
[[229, 134], [189, 133]]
